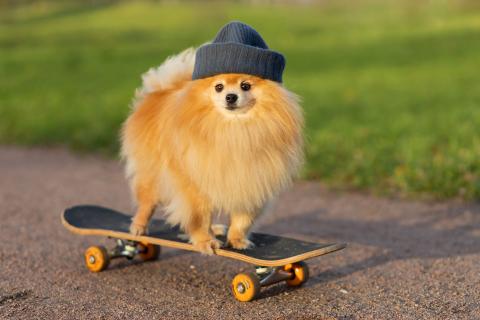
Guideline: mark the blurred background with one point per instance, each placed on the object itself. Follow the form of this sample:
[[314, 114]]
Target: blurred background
[[391, 89]]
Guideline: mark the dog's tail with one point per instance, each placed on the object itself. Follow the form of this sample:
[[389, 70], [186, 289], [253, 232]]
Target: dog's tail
[[175, 69]]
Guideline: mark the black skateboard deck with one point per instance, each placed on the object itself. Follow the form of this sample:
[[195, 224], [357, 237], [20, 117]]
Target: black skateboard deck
[[269, 250]]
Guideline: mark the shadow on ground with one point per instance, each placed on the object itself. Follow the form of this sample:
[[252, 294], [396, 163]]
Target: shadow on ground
[[441, 233]]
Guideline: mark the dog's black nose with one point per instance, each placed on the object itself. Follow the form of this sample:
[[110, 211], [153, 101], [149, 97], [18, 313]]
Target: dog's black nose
[[231, 98]]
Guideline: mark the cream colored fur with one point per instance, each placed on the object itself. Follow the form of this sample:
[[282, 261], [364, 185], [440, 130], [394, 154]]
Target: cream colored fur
[[175, 69]]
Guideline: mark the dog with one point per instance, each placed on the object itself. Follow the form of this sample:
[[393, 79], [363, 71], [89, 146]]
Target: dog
[[226, 143]]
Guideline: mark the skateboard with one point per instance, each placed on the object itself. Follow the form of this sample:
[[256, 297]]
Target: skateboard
[[276, 259]]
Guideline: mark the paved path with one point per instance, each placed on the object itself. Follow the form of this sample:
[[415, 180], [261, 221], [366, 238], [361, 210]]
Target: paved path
[[405, 260]]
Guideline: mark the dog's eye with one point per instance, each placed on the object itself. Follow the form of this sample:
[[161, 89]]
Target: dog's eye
[[219, 87], [245, 86]]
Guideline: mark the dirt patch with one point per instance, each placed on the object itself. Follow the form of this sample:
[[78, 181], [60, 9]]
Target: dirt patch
[[19, 295]]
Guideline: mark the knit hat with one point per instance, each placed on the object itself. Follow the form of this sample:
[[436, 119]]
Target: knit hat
[[238, 48]]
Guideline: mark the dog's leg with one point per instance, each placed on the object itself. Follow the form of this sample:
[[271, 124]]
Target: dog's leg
[[195, 214], [240, 223], [147, 198], [199, 229]]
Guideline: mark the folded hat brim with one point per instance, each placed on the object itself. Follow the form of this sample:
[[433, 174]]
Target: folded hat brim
[[231, 57]]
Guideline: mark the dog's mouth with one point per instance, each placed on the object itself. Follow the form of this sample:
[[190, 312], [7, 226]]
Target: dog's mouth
[[236, 109], [232, 106]]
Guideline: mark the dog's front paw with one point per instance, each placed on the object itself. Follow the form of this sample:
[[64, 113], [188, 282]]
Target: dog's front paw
[[241, 244], [138, 229], [207, 246]]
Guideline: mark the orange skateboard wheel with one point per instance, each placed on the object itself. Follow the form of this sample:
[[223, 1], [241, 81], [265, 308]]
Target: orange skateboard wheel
[[300, 273], [96, 258], [246, 286], [148, 251]]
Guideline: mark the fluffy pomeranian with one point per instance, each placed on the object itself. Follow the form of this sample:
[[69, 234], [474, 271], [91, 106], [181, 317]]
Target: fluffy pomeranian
[[226, 143]]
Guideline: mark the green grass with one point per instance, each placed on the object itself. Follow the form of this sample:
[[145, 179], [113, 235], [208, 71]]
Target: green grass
[[391, 89]]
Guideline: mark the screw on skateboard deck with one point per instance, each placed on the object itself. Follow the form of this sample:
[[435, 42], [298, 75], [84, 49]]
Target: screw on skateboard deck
[[275, 258]]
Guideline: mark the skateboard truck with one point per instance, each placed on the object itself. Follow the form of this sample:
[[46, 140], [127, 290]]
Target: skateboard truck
[[125, 248], [97, 258], [272, 275], [246, 286]]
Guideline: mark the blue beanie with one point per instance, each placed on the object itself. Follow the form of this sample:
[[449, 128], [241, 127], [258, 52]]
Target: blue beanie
[[238, 48]]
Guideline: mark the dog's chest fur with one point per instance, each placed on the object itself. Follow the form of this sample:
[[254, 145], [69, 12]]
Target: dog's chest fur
[[241, 165]]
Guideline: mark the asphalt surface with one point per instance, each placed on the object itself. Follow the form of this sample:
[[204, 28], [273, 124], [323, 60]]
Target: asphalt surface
[[405, 260]]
